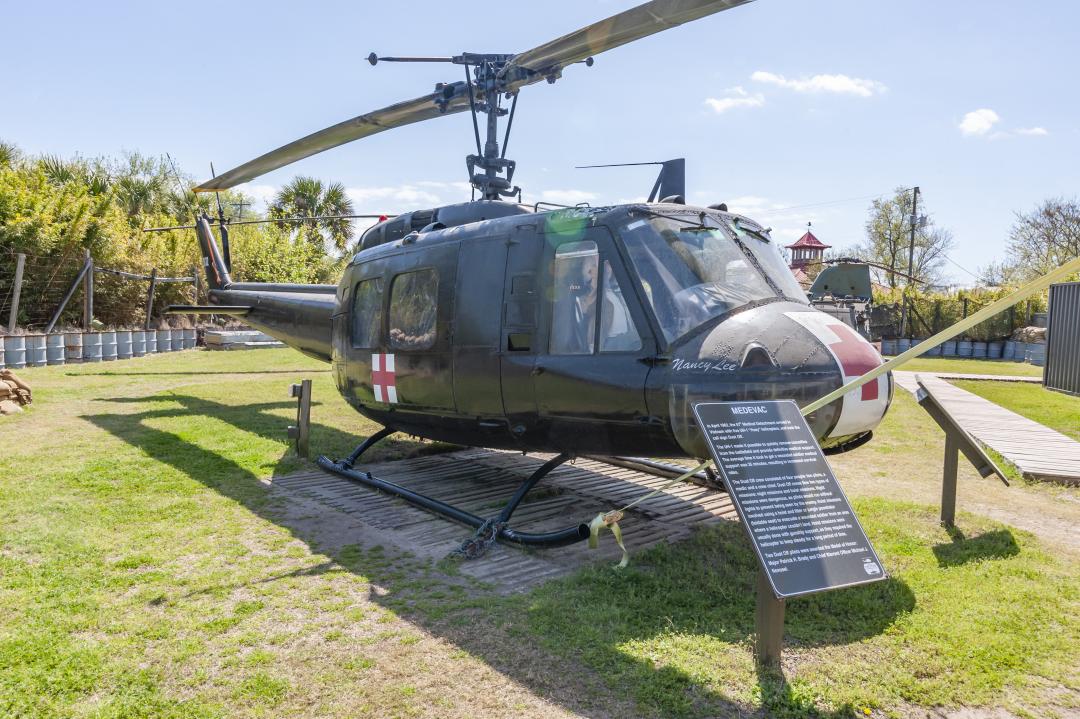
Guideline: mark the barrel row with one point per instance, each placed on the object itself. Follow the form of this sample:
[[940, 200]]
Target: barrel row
[[1033, 352], [18, 351]]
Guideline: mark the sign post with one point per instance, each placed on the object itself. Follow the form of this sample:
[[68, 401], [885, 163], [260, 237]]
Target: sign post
[[803, 530]]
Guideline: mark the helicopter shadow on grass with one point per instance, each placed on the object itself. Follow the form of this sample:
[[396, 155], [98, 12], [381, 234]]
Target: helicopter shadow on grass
[[554, 638]]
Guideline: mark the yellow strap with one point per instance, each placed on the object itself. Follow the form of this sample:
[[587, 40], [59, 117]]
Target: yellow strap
[[962, 326], [611, 519]]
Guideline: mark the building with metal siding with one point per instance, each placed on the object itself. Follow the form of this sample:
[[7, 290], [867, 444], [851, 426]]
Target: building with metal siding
[[1062, 370]]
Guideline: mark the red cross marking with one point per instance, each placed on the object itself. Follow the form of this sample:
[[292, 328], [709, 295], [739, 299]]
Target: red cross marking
[[857, 357], [383, 377]]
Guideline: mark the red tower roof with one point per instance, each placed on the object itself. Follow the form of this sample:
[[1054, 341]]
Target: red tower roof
[[808, 240]]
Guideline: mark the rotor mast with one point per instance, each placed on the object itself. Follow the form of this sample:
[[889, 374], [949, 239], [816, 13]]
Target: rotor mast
[[490, 172]]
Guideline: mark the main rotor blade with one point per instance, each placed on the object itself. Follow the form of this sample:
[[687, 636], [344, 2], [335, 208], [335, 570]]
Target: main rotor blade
[[397, 115], [633, 24]]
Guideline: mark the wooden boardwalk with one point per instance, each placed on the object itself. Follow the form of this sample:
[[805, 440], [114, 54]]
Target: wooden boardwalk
[[1037, 451], [481, 481], [906, 379]]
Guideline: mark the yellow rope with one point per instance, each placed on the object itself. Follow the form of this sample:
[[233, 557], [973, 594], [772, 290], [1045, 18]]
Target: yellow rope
[[610, 520]]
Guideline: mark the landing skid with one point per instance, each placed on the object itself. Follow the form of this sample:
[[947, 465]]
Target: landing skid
[[488, 529]]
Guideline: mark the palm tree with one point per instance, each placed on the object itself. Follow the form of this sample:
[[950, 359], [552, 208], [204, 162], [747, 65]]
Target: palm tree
[[9, 154], [309, 197]]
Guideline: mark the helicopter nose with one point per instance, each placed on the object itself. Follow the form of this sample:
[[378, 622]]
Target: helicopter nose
[[861, 409], [778, 351]]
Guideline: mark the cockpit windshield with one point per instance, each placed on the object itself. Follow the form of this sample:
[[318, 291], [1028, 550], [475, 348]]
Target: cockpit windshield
[[692, 273]]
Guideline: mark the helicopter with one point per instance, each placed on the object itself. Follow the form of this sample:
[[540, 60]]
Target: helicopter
[[572, 330]]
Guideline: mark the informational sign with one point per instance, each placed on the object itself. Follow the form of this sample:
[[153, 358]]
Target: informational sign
[[802, 527]]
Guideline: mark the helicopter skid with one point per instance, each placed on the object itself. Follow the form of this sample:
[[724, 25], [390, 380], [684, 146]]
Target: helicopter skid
[[558, 538]]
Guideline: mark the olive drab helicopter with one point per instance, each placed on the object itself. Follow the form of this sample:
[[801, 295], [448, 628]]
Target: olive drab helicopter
[[575, 331]]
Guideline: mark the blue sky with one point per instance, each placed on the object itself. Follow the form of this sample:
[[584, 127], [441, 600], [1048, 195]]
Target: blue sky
[[789, 111]]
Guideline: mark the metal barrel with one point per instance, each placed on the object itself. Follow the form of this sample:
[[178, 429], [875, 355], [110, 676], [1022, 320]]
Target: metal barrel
[[15, 351], [903, 344], [1035, 353], [73, 347], [108, 346], [151, 342], [995, 350], [177, 340], [91, 343], [55, 351], [934, 351], [948, 348], [189, 338], [35, 351], [123, 344], [138, 343], [964, 348], [888, 347], [1010, 350], [164, 340], [978, 350]]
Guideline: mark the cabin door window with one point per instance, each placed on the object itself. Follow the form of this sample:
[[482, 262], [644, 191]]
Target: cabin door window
[[413, 310], [367, 314]]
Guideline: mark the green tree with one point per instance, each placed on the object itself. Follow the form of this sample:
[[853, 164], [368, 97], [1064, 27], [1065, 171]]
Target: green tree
[[888, 237], [310, 197], [1043, 239]]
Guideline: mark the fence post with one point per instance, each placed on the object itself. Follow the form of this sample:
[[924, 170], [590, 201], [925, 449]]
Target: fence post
[[87, 268], [13, 318], [150, 298], [88, 294]]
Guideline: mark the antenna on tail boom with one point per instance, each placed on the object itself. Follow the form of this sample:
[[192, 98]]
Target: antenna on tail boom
[[670, 185]]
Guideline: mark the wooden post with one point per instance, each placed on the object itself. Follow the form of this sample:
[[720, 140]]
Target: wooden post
[[302, 429], [13, 318], [948, 480], [88, 294], [195, 282], [768, 623], [150, 298], [86, 269]]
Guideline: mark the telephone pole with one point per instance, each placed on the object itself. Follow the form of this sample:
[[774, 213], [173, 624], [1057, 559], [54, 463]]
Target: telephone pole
[[914, 221]]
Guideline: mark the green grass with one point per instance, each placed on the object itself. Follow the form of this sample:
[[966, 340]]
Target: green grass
[[959, 621], [1057, 411], [145, 571], [972, 366]]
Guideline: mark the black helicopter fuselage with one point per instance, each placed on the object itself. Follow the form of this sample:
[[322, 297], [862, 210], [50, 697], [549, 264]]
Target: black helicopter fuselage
[[586, 330]]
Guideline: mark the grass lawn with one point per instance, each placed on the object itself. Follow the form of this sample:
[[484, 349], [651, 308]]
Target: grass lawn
[[972, 366], [1057, 411], [147, 571]]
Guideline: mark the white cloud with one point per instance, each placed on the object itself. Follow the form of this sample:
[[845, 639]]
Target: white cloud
[[567, 197], [737, 97], [396, 198], [836, 84], [261, 195], [978, 122], [1032, 131], [750, 205]]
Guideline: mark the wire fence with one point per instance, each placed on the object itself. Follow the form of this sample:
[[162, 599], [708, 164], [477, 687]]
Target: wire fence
[[120, 295], [929, 315]]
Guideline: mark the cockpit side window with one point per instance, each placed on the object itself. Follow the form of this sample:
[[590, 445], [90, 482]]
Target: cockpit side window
[[617, 332], [573, 318], [367, 314]]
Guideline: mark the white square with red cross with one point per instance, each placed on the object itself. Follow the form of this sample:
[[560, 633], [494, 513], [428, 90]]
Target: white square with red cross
[[383, 378], [864, 407]]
